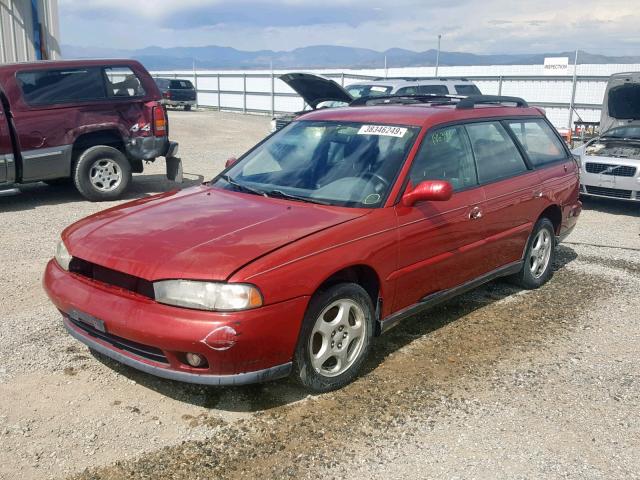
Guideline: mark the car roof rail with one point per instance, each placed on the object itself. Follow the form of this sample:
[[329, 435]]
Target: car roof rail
[[406, 99], [472, 100]]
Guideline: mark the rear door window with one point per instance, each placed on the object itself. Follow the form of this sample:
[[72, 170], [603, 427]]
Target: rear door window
[[407, 91], [538, 140], [445, 154], [496, 155], [467, 89], [48, 87], [122, 82], [437, 89]]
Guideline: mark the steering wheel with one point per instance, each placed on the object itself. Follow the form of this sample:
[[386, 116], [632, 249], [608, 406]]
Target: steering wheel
[[372, 175]]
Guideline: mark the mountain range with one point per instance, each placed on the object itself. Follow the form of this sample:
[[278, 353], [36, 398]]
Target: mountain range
[[319, 56]]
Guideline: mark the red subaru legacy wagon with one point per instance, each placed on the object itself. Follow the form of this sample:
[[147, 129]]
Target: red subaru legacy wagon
[[323, 236]]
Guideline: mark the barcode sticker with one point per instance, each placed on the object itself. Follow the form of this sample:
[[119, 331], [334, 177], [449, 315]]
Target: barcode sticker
[[385, 130]]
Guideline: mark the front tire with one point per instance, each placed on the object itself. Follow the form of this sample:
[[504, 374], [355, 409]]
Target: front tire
[[102, 173], [538, 257], [335, 337]]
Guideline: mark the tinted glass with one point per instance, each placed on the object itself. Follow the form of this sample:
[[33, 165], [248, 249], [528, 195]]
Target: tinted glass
[[539, 141], [496, 155], [47, 87], [122, 82], [357, 91], [407, 91], [445, 154], [348, 164], [467, 89], [181, 85], [439, 89]]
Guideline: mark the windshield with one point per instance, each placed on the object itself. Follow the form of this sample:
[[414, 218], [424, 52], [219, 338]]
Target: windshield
[[623, 132], [334, 163], [357, 91]]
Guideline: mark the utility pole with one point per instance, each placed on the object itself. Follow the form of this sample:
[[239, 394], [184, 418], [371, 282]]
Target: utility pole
[[438, 54], [573, 90], [385, 67]]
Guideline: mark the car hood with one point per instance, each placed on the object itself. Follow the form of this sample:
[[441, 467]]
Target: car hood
[[621, 105], [197, 233], [315, 89]]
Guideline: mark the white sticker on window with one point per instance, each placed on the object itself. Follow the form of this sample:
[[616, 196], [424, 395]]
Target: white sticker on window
[[378, 89], [385, 130]]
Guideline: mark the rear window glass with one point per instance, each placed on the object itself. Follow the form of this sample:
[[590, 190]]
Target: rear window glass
[[539, 141], [181, 85], [46, 87], [467, 89], [122, 82]]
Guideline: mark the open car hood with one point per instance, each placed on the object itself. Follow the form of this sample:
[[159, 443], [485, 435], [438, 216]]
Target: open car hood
[[621, 105], [315, 89]]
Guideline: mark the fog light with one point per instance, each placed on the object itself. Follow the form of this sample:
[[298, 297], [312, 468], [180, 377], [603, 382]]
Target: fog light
[[195, 360]]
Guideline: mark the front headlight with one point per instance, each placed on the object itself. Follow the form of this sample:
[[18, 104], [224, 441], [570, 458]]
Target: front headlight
[[62, 255], [207, 295]]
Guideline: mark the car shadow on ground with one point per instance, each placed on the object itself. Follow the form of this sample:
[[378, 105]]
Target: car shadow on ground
[[259, 397], [30, 196], [611, 206]]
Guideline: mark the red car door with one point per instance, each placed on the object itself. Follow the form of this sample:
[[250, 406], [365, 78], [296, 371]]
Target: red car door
[[512, 197], [439, 242]]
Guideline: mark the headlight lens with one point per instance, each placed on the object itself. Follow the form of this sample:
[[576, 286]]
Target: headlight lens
[[207, 295], [62, 255]]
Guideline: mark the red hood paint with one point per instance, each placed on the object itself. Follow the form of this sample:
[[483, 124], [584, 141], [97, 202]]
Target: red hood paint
[[197, 233]]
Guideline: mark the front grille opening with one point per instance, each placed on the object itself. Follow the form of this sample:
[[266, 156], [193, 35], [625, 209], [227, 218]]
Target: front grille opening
[[609, 192], [112, 277], [614, 170], [138, 349]]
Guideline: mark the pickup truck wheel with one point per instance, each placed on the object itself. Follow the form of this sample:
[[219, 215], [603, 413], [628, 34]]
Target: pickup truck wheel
[[538, 256], [335, 337], [102, 173], [187, 107]]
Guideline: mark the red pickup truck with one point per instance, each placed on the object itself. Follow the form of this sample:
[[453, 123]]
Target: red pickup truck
[[92, 122]]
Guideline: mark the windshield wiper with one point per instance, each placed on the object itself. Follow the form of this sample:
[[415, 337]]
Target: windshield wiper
[[288, 196], [242, 186]]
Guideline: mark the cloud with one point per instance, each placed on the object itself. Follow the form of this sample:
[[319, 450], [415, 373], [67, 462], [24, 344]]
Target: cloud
[[491, 26]]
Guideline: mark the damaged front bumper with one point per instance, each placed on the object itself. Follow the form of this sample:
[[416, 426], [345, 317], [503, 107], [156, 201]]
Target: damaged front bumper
[[240, 347]]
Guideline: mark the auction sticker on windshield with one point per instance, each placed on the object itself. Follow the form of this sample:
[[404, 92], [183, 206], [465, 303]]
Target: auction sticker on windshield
[[385, 130]]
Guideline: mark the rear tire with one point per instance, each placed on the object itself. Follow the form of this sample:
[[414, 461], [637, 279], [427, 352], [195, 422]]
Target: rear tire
[[335, 337], [187, 108], [539, 255], [102, 173]]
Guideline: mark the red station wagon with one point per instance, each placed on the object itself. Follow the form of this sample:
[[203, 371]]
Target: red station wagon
[[323, 236]]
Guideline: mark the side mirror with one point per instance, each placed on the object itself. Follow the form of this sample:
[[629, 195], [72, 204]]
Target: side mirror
[[429, 190], [230, 161]]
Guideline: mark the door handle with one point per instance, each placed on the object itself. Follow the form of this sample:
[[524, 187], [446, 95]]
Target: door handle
[[475, 213]]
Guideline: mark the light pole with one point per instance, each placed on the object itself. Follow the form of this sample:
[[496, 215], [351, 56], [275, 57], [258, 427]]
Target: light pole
[[438, 55]]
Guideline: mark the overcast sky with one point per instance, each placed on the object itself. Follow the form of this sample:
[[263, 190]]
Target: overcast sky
[[478, 26]]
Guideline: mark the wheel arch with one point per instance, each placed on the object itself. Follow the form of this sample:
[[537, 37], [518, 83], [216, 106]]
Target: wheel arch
[[554, 214], [110, 137], [361, 274]]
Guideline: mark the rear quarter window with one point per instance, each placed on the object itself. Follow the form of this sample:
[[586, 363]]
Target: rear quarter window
[[122, 82], [47, 87], [181, 85], [538, 140]]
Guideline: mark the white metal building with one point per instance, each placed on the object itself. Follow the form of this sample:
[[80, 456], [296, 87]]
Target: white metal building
[[29, 30]]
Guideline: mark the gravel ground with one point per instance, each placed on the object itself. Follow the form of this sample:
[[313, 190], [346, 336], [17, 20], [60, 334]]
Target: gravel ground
[[499, 383]]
